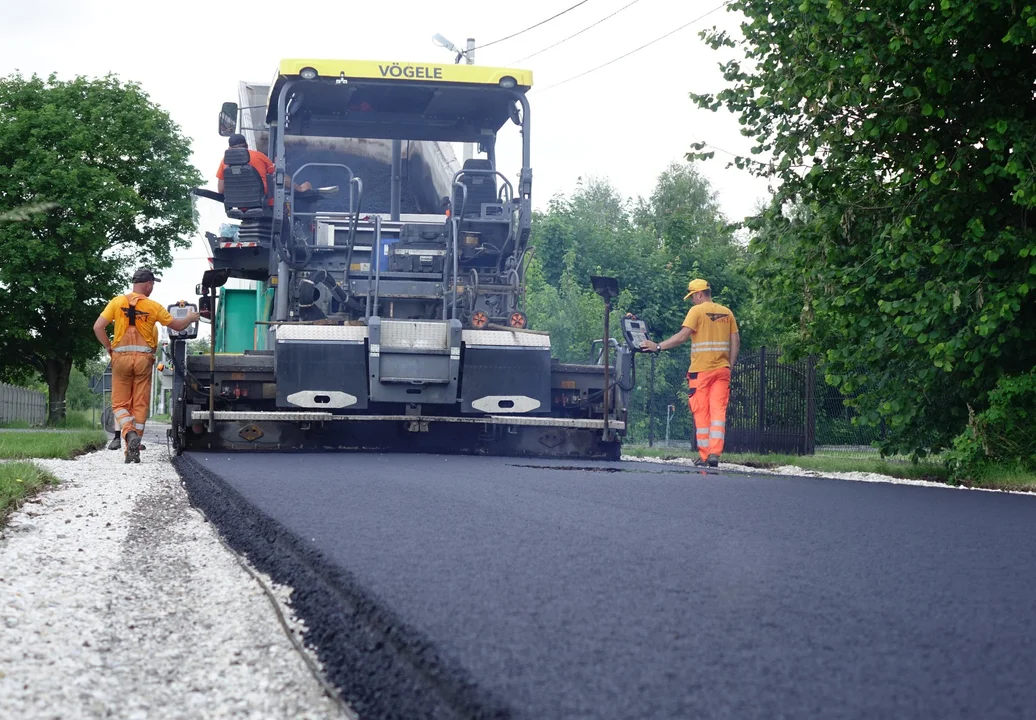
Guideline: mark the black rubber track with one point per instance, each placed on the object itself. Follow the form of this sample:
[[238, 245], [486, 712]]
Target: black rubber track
[[490, 587]]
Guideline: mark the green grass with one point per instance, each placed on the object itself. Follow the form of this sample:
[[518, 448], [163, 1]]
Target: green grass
[[1003, 477], [80, 420], [164, 419], [18, 480], [74, 420], [44, 444], [994, 477]]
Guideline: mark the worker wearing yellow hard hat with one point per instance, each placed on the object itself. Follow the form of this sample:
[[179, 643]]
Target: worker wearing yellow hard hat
[[715, 343]]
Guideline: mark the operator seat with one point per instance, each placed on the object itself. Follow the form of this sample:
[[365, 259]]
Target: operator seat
[[481, 187], [243, 193]]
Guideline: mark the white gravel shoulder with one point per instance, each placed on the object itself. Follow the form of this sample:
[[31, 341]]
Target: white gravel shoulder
[[117, 599], [792, 470]]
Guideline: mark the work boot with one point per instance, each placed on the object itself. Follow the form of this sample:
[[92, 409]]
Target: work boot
[[698, 462], [116, 443], [132, 447], [713, 461]]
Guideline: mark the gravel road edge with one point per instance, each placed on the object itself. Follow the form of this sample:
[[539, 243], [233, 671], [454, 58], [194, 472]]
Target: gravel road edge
[[381, 667]]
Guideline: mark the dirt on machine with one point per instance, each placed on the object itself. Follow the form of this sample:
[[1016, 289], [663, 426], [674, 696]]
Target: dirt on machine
[[370, 295]]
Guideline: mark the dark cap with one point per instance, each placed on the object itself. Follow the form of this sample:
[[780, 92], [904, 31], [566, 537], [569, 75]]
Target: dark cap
[[143, 275], [237, 139]]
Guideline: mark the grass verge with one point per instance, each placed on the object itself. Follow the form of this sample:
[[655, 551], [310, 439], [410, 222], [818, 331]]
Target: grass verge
[[18, 480], [1002, 477], [992, 477], [43, 444], [80, 420], [74, 420], [935, 472]]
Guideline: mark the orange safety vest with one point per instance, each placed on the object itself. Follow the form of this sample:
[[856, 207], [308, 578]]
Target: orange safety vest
[[132, 340]]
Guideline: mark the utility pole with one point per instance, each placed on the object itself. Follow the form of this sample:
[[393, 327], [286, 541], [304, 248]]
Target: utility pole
[[670, 409], [469, 56]]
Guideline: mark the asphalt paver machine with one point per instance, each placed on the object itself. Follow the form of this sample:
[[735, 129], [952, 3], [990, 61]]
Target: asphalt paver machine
[[387, 278]]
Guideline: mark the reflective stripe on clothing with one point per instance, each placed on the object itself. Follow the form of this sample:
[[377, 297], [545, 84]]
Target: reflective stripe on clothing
[[134, 348], [709, 406], [131, 390], [711, 326]]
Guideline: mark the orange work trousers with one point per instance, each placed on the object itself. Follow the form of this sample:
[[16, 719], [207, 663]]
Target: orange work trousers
[[708, 396], [131, 391]]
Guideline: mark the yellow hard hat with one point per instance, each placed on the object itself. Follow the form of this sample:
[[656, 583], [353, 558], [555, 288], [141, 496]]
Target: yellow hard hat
[[695, 286]]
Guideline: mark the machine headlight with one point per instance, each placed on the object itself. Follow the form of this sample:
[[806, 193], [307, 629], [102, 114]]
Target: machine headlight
[[308, 73], [508, 82]]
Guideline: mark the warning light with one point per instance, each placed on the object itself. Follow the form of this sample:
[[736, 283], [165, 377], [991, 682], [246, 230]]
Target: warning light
[[517, 320], [479, 319]]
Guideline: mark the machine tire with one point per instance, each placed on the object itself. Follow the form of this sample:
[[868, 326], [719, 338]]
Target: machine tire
[[178, 430]]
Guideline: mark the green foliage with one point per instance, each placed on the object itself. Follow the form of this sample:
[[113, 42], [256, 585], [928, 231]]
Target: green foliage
[[900, 137], [1004, 433], [79, 395], [654, 247], [19, 480], [200, 346], [94, 179], [60, 444]]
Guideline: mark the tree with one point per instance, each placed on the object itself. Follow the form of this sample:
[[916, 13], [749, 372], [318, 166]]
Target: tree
[[94, 179], [901, 136], [653, 246]]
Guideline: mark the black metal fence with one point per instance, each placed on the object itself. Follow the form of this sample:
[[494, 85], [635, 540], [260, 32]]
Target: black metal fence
[[776, 406], [772, 406]]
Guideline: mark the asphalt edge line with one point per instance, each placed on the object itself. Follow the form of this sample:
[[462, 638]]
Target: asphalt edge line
[[315, 670], [855, 476], [381, 666]]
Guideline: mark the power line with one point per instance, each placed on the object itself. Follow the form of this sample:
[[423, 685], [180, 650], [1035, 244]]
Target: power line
[[642, 47], [561, 42], [533, 27]]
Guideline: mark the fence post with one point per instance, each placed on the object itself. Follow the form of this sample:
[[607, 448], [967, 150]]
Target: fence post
[[762, 399], [651, 404], [811, 407]]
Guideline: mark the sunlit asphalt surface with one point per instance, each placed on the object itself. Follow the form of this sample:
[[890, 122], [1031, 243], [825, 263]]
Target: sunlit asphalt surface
[[545, 589]]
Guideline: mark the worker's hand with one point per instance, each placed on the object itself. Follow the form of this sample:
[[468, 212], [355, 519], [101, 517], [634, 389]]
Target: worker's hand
[[193, 316], [305, 186], [649, 346]]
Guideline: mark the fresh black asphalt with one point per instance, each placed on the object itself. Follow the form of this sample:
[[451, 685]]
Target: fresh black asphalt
[[438, 586]]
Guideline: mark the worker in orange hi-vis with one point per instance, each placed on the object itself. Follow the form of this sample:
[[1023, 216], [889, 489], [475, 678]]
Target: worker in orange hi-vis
[[132, 351], [715, 344]]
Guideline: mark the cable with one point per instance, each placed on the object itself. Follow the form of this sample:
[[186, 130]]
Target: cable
[[311, 665], [646, 45], [562, 42], [531, 27]]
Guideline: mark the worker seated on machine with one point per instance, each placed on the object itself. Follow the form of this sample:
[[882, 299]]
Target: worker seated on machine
[[262, 164]]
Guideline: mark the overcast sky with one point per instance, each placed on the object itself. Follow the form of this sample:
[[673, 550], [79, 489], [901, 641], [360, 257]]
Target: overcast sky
[[625, 122]]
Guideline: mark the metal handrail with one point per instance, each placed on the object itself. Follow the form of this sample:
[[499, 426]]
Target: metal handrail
[[455, 233], [291, 197], [507, 183], [376, 258]]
